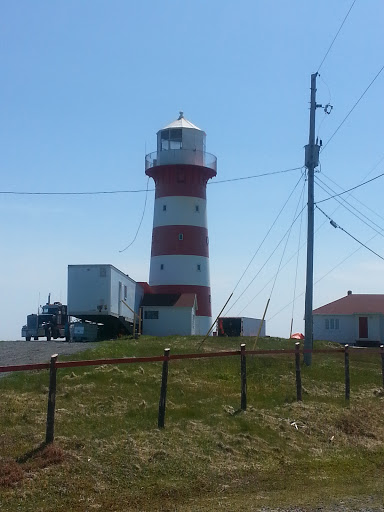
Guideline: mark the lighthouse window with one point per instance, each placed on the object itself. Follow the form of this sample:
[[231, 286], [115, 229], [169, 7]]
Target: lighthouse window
[[197, 208], [181, 236], [171, 139], [206, 240], [180, 177], [164, 207], [198, 267], [162, 266]]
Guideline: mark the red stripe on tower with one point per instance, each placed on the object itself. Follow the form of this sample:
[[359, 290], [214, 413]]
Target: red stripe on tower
[[181, 169]]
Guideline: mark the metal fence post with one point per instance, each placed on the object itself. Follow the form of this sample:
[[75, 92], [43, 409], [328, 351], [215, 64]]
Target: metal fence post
[[299, 396], [382, 362], [243, 369], [50, 426], [163, 390], [347, 379]]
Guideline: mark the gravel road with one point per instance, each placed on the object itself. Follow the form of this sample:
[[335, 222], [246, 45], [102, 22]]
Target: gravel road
[[28, 352]]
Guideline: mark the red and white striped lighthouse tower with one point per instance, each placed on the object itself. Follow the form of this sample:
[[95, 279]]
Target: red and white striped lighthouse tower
[[181, 169]]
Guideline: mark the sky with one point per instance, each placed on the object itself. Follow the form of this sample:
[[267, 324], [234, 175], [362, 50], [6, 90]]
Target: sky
[[85, 86]]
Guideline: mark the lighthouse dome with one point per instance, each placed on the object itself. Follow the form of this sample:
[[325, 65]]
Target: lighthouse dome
[[181, 122]]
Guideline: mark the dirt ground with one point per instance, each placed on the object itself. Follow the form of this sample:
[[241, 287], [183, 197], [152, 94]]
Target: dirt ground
[[29, 352]]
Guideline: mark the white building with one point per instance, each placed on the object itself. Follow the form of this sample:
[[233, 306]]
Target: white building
[[354, 319], [169, 314]]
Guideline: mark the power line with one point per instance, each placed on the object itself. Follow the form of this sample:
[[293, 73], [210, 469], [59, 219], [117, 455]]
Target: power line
[[352, 109], [333, 223], [141, 221], [255, 176], [353, 213], [270, 256], [350, 189], [95, 193], [353, 197], [289, 234], [262, 242], [322, 277], [106, 192], [334, 39]]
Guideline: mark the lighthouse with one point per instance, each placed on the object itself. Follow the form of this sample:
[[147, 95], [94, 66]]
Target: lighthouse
[[181, 169]]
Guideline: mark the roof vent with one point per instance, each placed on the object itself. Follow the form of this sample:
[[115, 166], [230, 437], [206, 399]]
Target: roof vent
[[181, 115], [349, 292]]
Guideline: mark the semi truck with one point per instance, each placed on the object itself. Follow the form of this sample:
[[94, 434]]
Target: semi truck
[[239, 326], [51, 321]]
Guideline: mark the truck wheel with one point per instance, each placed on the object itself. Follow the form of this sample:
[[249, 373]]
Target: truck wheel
[[27, 338], [35, 338]]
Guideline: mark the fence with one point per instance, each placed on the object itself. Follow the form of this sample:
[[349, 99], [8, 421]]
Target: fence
[[54, 365]]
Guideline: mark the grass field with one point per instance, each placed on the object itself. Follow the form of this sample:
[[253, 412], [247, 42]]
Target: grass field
[[109, 454]]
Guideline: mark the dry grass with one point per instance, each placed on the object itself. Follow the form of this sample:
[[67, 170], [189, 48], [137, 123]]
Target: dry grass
[[109, 455]]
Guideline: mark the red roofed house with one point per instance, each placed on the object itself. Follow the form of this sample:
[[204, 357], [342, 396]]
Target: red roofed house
[[354, 319]]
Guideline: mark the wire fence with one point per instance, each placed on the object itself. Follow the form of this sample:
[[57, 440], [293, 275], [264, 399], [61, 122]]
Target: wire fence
[[54, 365]]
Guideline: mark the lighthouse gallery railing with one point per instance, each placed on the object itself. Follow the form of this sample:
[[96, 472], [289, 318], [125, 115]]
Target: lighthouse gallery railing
[[180, 156]]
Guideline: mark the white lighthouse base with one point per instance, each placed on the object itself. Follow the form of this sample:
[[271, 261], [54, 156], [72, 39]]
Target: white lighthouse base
[[202, 325]]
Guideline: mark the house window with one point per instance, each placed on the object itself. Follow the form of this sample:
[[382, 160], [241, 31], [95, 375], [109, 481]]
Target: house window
[[198, 267], [151, 315], [181, 236], [162, 266], [164, 207], [332, 323]]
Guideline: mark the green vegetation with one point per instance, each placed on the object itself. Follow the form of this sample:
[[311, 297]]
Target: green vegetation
[[109, 455]]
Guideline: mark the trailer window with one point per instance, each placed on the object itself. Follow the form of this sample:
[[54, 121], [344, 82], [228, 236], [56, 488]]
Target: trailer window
[[151, 315]]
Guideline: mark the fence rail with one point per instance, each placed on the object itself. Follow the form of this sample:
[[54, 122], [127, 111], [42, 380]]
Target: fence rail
[[54, 365]]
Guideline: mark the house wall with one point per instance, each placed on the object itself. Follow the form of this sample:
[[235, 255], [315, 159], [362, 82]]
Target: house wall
[[170, 321], [346, 332]]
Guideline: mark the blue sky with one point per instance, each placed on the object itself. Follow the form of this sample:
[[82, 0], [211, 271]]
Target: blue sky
[[85, 86]]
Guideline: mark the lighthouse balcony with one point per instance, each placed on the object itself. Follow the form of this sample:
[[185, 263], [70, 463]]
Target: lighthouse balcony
[[180, 156]]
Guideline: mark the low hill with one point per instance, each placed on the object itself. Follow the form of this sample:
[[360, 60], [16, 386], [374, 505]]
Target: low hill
[[322, 453]]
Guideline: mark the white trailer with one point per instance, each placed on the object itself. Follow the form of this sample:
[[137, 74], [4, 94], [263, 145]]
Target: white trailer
[[239, 326], [103, 294]]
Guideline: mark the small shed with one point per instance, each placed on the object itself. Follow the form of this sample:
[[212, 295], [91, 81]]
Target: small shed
[[353, 319], [168, 314]]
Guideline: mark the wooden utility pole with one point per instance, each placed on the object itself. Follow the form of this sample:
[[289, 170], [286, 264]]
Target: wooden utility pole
[[311, 162]]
